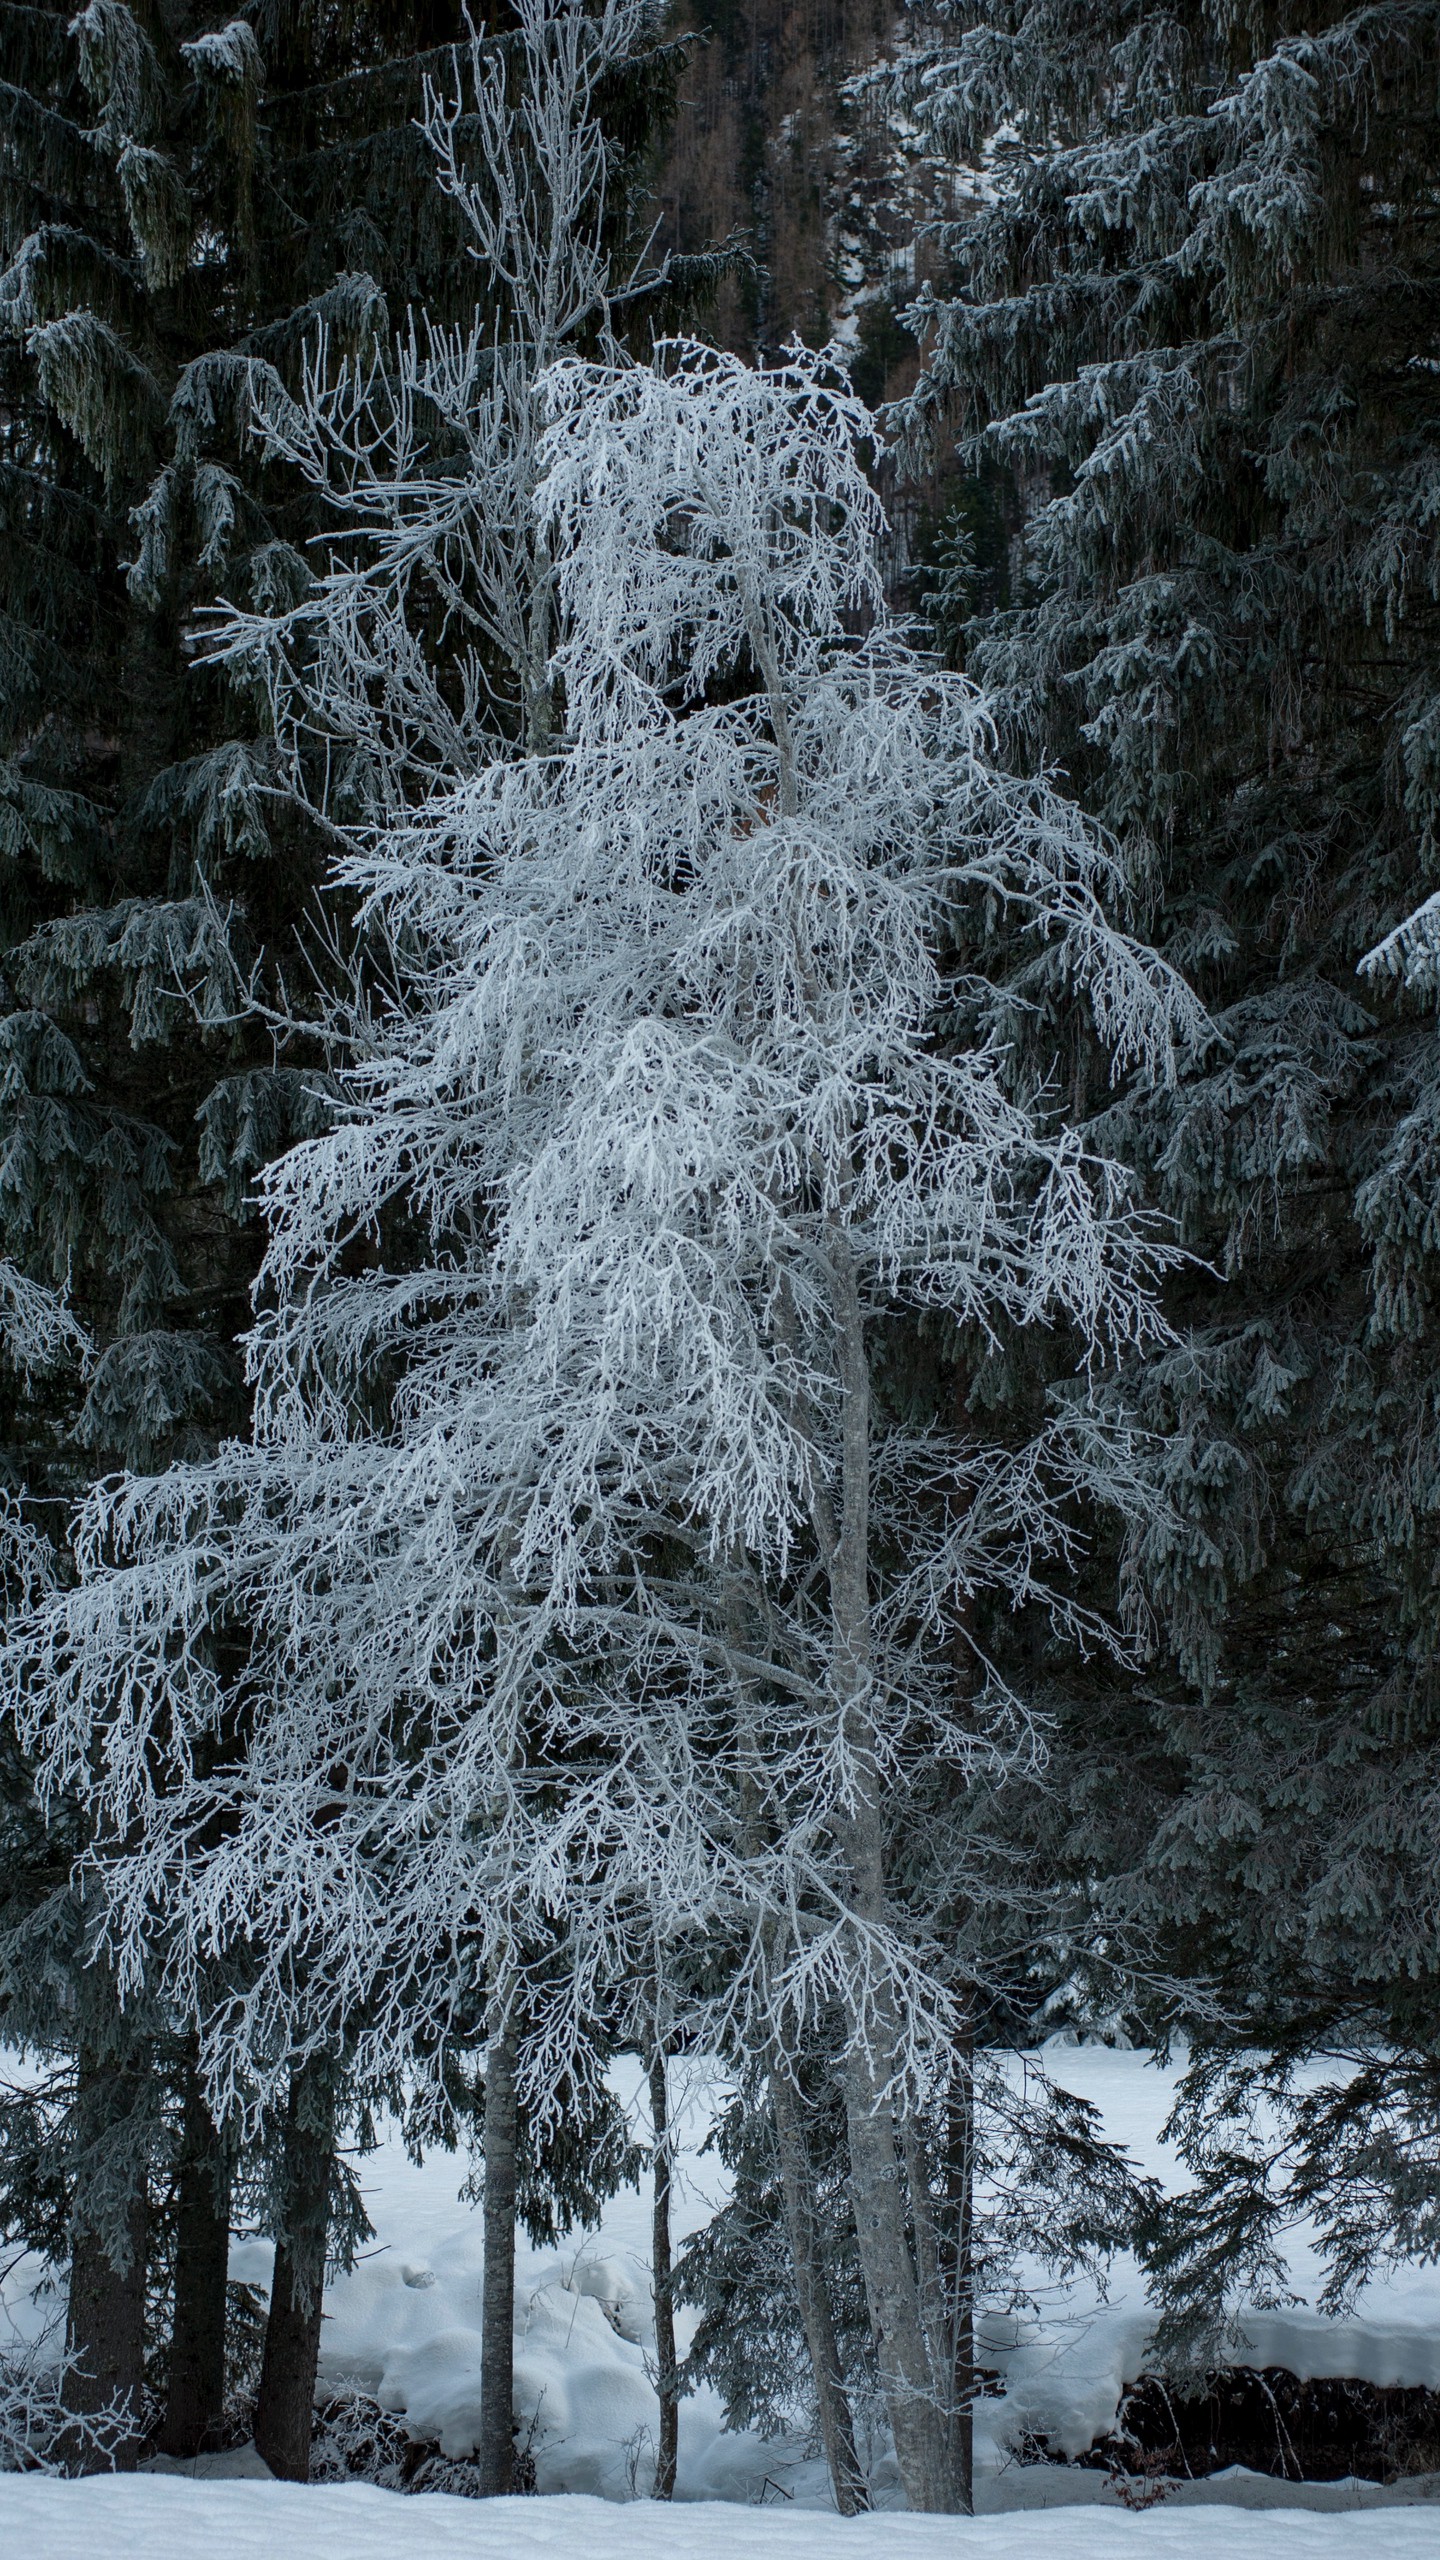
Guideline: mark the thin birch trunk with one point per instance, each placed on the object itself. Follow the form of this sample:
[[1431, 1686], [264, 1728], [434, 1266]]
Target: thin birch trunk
[[667, 2367], [929, 2262], [960, 2183], [960, 2119], [797, 2180], [495, 2450]]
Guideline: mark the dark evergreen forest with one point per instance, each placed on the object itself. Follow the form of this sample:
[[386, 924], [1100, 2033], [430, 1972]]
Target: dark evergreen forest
[[415, 428]]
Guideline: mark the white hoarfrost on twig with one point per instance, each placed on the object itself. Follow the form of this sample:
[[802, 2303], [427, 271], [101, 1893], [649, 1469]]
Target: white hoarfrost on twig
[[38, 2432], [38, 1332]]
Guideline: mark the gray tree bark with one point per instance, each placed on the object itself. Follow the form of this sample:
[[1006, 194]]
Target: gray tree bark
[[912, 2399], [495, 2451], [105, 2331], [109, 2229], [915, 2397], [797, 2180], [960, 2186], [797, 2186], [195, 2400], [667, 2365]]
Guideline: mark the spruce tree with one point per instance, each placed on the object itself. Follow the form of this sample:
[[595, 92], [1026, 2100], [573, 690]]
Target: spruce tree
[[1197, 327], [185, 193]]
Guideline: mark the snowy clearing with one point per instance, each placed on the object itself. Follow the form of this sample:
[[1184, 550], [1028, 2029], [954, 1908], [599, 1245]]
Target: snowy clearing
[[229, 2520]]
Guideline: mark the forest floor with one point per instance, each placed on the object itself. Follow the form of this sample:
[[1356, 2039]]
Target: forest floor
[[163, 2519]]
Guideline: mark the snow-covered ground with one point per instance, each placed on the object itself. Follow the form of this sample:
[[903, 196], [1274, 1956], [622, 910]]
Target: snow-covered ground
[[405, 2326], [152, 2519]]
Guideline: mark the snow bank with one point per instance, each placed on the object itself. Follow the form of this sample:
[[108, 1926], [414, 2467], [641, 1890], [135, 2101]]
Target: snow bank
[[1064, 2370], [154, 2519], [405, 2324]]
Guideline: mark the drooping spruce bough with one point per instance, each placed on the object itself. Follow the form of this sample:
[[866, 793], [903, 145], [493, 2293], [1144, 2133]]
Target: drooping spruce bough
[[1197, 327]]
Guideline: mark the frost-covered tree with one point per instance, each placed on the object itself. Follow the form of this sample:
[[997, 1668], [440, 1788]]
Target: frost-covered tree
[[1196, 325], [418, 650], [245, 198], [184, 194], [595, 1593]]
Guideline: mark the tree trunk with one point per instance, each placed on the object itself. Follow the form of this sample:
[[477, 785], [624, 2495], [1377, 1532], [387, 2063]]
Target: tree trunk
[[285, 2405], [943, 2263], [109, 2233], [837, 2431], [960, 2183], [797, 2186], [495, 2451], [667, 2367], [195, 2405], [913, 2402], [960, 2125], [917, 2421], [933, 2292], [105, 2332]]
